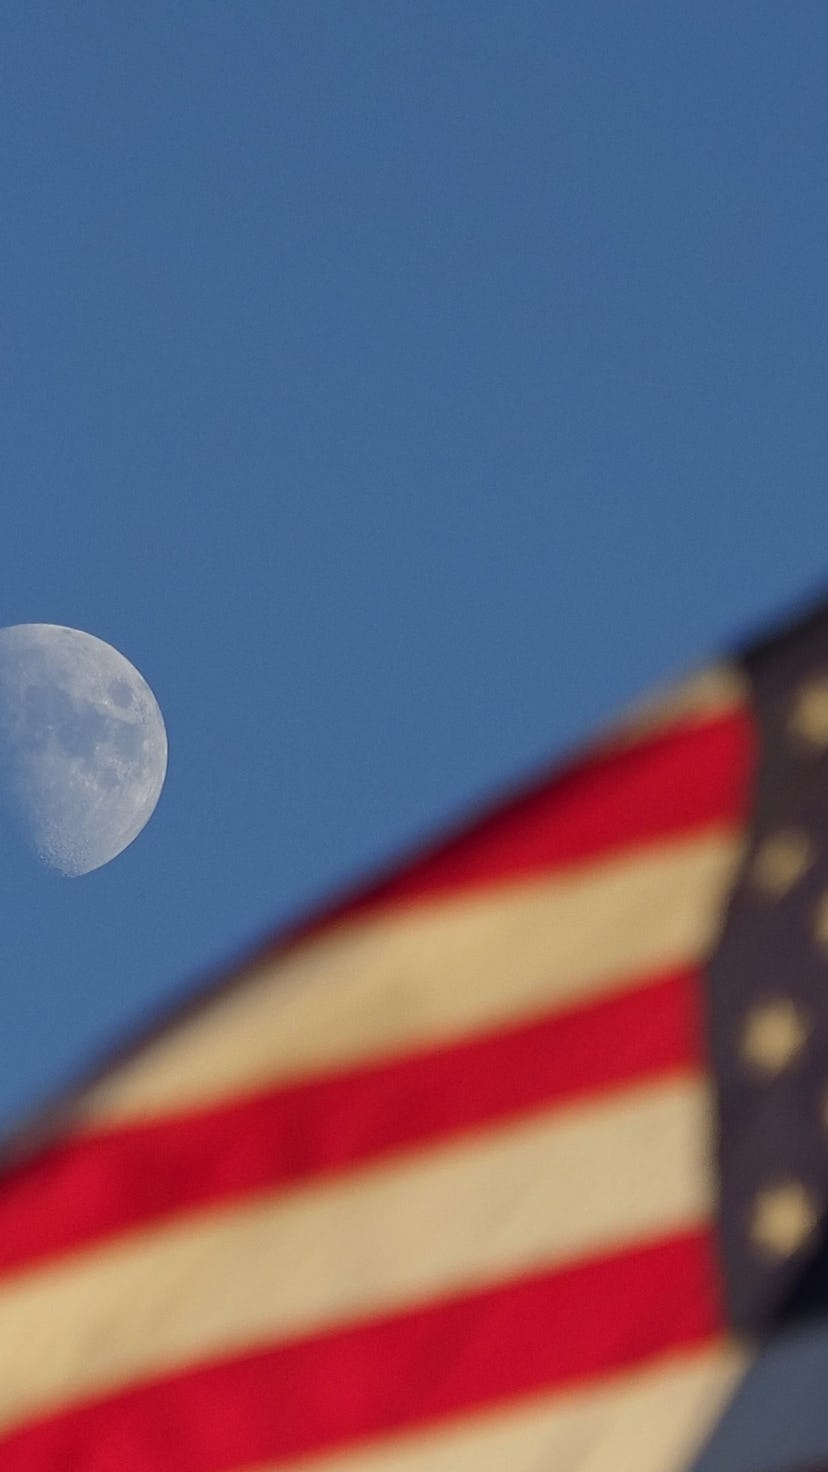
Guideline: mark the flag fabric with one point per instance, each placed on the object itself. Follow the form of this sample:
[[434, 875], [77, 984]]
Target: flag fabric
[[490, 1166]]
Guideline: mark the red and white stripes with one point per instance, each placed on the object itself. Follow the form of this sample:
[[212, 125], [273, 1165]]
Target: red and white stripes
[[430, 1187]]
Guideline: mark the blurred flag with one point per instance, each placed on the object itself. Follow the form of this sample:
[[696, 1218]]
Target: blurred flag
[[506, 1163]]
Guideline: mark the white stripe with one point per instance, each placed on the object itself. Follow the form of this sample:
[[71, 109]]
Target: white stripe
[[708, 693], [558, 1186], [649, 1421], [432, 973]]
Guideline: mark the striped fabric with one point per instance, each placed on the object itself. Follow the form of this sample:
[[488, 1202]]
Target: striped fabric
[[429, 1186]]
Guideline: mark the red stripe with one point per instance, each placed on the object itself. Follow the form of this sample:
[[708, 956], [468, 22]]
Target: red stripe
[[329, 1390], [673, 783], [83, 1190]]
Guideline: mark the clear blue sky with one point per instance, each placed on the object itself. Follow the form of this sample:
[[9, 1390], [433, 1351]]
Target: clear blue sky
[[402, 387]]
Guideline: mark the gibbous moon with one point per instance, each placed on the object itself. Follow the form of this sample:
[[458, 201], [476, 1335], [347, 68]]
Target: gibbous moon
[[83, 749]]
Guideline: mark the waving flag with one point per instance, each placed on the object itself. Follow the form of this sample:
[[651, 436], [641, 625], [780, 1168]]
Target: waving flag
[[507, 1162]]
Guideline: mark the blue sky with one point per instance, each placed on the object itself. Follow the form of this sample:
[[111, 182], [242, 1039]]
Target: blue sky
[[401, 388]]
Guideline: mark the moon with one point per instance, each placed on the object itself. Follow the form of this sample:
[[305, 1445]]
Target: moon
[[83, 748]]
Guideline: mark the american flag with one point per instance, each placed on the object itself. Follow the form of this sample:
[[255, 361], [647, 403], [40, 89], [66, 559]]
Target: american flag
[[442, 1181]]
